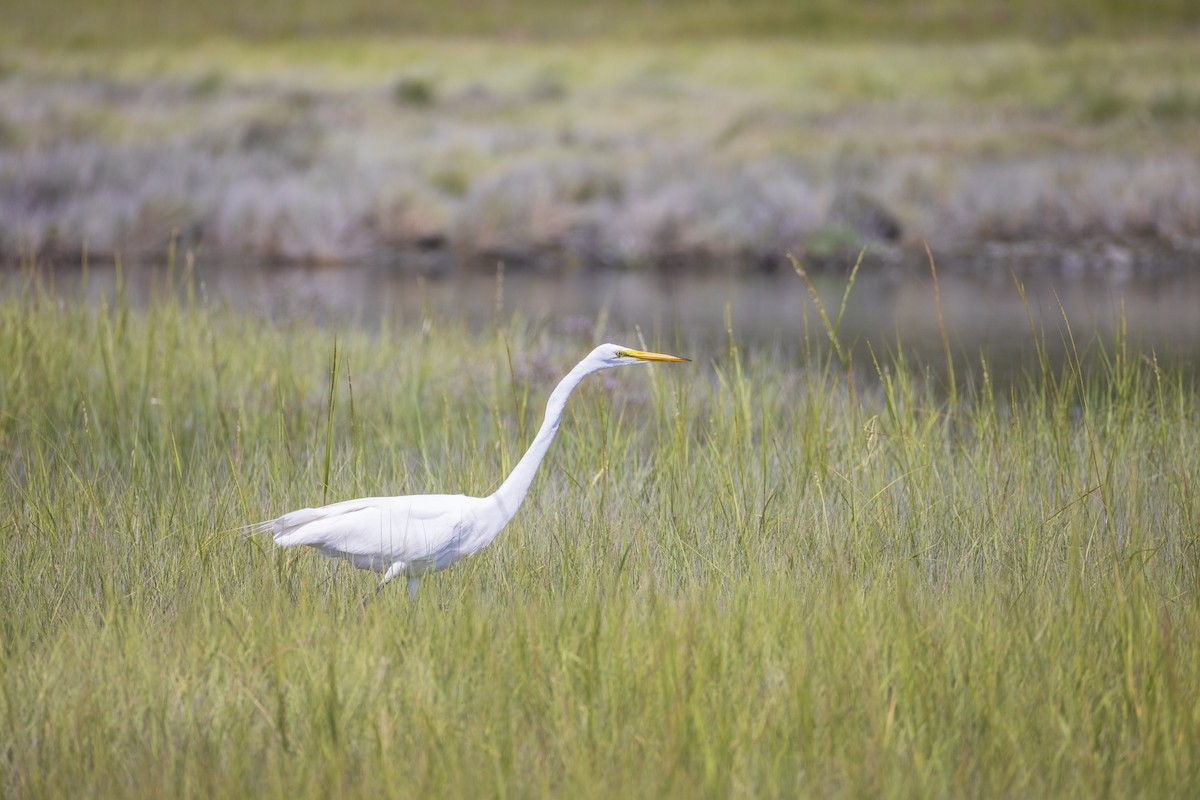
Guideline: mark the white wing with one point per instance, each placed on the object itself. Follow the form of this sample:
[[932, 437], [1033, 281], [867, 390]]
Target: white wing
[[376, 532]]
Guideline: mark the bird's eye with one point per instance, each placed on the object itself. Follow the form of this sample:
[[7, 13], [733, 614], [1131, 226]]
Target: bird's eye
[[620, 354]]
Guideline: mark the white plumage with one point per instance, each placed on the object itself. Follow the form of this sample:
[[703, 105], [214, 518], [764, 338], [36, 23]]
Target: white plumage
[[417, 534]]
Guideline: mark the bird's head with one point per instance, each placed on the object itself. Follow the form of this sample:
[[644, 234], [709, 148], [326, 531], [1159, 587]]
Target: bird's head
[[614, 355]]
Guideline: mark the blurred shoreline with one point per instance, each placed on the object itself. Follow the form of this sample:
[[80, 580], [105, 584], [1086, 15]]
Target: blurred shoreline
[[438, 157]]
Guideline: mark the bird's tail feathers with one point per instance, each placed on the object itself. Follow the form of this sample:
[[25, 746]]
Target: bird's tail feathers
[[253, 529], [297, 527], [280, 526]]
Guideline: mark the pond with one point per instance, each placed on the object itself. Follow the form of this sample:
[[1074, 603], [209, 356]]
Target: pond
[[983, 312]]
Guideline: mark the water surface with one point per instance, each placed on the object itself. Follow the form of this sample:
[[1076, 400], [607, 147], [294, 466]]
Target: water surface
[[982, 315]]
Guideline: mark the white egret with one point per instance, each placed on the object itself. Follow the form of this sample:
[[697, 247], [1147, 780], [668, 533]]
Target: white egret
[[416, 534]]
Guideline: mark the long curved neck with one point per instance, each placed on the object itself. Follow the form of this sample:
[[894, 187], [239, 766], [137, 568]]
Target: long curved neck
[[512, 492]]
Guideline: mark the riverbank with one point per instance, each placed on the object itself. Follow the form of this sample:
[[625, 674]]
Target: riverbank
[[438, 155]]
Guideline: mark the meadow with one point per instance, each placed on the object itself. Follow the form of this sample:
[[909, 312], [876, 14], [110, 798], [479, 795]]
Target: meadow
[[119, 23], [806, 571]]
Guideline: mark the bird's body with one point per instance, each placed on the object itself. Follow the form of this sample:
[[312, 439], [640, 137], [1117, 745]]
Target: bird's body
[[416, 534], [412, 535]]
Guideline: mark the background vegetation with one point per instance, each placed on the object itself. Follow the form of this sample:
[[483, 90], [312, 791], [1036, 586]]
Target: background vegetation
[[430, 155], [756, 574], [116, 22], [622, 134]]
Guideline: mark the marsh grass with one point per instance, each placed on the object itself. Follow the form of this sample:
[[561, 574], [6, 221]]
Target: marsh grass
[[752, 575], [112, 23], [435, 155]]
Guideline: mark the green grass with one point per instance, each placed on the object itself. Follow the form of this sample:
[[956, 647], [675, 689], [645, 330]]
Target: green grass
[[124, 22], [752, 575]]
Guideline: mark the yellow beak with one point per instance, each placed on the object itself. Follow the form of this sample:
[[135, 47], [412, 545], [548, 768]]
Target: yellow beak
[[644, 356]]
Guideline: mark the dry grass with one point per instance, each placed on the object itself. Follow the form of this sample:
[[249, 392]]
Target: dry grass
[[605, 153]]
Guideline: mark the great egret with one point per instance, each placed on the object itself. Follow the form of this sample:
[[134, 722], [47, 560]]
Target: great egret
[[423, 533]]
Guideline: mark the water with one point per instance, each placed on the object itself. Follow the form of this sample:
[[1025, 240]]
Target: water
[[982, 315]]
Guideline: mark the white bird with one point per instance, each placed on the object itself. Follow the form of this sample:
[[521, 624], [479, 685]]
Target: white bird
[[416, 534]]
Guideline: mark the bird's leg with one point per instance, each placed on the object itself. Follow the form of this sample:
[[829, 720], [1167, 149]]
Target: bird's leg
[[392, 571]]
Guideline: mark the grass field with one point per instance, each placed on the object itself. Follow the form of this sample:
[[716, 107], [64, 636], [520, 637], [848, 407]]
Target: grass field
[[123, 22], [754, 575]]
